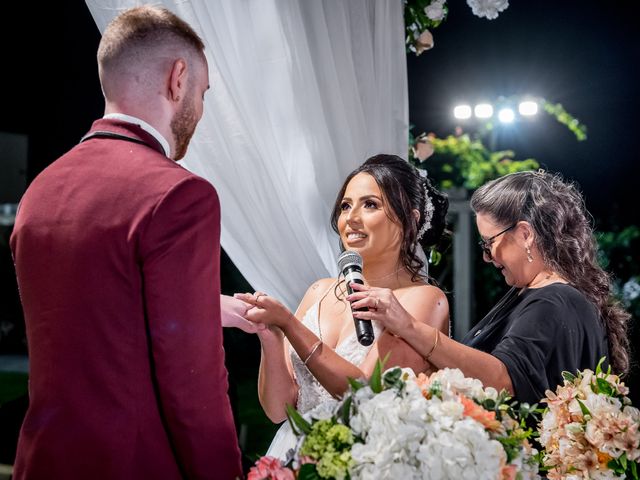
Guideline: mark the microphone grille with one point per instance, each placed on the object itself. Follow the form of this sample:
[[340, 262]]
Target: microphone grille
[[349, 257]]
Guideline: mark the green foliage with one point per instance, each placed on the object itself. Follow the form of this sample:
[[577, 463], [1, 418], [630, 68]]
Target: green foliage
[[308, 472], [561, 115], [619, 253], [460, 161], [617, 250], [297, 421]]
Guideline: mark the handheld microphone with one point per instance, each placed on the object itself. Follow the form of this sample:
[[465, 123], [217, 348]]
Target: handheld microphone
[[350, 265]]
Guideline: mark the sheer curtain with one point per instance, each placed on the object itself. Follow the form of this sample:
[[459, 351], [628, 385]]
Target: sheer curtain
[[303, 91]]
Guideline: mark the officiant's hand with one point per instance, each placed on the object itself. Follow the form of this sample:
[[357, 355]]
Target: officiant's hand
[[266, 310], [380, 304], [233, 310]]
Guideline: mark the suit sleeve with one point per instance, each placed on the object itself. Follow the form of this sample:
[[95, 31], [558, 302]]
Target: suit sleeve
[[180, 253]]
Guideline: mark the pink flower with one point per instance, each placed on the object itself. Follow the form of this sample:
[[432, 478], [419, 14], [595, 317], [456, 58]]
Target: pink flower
[[269, 468], [424, 42], [423, 148]]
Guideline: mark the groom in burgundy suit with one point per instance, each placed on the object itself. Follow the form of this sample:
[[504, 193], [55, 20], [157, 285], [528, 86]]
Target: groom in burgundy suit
[[117, 256]]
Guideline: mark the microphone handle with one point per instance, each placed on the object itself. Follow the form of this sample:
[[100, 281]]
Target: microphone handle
[[364, 329]]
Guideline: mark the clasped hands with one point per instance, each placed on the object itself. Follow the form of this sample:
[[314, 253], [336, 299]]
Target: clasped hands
[[264, 311], [255, 313]]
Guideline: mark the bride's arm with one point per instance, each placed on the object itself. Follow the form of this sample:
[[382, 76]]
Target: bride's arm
[[427, 304], [276, 384], [329, 368]]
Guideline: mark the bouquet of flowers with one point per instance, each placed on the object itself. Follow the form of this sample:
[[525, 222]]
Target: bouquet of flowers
[[400, 425], [589, 428]]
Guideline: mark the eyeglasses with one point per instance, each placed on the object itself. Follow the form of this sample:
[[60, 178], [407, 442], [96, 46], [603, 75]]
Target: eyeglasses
[[485, 245]]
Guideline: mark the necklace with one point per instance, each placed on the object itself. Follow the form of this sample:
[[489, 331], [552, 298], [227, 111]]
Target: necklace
[[543, 281], [383, 277]]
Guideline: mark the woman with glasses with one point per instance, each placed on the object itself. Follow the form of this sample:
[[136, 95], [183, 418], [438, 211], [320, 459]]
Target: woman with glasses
[[559, 314]]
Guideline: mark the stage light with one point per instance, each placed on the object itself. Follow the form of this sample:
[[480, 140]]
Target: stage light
[[462, 112], [483, 110], [528, 108], [506, 115]]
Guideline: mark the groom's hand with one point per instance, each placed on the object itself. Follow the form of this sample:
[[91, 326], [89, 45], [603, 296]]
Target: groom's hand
[[266, 310], [233, 311]]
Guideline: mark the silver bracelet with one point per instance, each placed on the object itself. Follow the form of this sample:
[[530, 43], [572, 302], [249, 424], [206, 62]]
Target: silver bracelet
[[313, 350]]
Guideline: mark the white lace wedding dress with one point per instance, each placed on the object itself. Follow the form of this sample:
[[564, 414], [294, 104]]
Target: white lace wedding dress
[[311, 394]]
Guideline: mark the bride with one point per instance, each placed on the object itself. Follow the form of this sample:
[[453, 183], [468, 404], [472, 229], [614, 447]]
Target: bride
[[387, 212]]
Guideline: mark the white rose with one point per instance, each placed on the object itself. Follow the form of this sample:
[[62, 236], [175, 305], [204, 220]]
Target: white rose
[[435, 10]]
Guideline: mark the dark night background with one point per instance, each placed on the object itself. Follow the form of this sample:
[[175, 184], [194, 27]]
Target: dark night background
[[580, 54]]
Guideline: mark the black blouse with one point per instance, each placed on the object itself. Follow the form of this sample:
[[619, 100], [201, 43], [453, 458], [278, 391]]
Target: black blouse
[[539, 333]]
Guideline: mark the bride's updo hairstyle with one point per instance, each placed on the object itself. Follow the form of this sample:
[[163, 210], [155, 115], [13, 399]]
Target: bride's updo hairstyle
[[404, 189]]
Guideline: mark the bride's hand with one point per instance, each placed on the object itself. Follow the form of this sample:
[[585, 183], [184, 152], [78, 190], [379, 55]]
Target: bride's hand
[[381, 305], [232, 312], [266, 310]]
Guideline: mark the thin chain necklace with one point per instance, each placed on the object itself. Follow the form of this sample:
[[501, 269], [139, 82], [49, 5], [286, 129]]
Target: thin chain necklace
[[385, 276]]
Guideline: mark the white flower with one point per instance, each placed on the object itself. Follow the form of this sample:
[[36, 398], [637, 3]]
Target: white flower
[[630, 290], [464, 451], [454, 382], [491, 393], [323, 411], [487, 8], [435, 10]]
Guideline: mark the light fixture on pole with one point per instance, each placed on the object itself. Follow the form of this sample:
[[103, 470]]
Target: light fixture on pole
[[504, 106]]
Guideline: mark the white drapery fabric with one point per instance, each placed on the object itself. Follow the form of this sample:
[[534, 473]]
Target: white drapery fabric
[[303, 91]]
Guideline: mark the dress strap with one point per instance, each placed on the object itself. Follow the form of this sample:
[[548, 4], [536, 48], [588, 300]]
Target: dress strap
[[318, 303]]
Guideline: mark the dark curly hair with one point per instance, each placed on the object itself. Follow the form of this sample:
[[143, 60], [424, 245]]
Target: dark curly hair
[[564, 236], [404, 190]]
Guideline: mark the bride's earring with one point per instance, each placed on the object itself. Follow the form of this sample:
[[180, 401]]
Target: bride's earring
[[529, 257]]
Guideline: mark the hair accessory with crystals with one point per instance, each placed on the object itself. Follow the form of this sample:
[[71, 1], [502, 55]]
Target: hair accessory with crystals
[[428, 210]]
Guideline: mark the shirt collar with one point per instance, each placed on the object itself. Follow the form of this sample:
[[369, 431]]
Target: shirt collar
[[144, 126]]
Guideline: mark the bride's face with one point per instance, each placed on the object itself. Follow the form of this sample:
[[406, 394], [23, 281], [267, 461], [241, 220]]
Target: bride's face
[[364, 224]]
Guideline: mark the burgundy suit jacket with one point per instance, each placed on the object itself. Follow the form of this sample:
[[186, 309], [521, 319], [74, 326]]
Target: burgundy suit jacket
[[117, 250]]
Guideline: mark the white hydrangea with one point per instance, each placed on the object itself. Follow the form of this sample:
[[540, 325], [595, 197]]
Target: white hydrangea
[[410, 438], [462, 451], [487, 8]]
